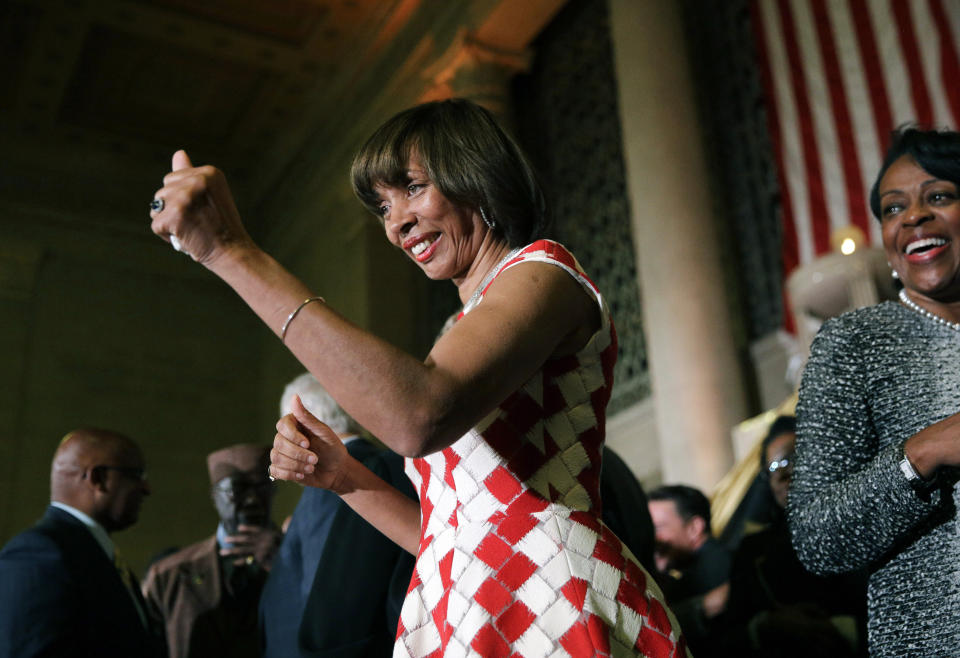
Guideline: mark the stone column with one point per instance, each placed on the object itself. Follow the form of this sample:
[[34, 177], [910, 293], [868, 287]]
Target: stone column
[[696, 376]]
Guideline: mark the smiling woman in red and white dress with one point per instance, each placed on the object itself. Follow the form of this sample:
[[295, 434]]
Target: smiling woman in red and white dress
[[878, 421], [503, 423]]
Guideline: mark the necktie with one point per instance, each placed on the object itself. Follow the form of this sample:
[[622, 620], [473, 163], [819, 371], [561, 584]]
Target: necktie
[[237, 576], [130, 582]]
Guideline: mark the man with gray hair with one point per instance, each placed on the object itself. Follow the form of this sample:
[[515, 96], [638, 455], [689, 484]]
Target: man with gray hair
[[343, 596]]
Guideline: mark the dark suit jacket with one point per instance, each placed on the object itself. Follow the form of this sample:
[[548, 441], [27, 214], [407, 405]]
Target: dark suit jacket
[[625, 509], [203, 620], [60, 595], [767, 574], [337, 584]]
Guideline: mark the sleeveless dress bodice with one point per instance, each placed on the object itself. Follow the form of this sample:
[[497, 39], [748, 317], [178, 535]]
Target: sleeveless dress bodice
[[513, 557]]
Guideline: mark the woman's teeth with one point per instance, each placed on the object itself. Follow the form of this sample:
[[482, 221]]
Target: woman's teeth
[[924, 244], [420, 247]]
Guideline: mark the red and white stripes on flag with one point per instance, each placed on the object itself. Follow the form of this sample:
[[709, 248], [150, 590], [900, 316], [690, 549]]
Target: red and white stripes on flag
[[839, 76]]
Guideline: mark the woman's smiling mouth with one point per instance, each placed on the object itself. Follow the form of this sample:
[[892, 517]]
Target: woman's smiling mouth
[[923, 244], [422, 247], [925, 249]]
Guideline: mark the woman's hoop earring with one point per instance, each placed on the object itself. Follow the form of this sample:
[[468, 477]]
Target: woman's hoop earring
[[486, 220]]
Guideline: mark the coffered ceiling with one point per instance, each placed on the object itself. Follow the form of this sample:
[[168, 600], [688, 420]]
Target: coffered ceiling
[[97, 94]]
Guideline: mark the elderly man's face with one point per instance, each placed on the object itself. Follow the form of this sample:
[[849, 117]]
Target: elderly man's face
[[243, 498]]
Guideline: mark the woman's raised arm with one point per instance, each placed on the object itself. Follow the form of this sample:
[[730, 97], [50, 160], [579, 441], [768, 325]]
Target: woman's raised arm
[[533, 311]]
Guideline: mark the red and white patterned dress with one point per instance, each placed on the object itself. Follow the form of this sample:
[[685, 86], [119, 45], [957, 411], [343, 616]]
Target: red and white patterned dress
[[513, 558]]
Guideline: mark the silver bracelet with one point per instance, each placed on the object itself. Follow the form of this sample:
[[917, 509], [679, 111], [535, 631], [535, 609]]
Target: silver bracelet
[[286, 323]]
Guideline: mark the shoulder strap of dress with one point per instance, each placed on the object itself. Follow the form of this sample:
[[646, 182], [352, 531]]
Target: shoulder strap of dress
[[554, 253], [544, 251]]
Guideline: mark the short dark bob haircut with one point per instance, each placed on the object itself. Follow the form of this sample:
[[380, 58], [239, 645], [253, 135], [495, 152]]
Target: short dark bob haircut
[[470, 159], [936, 151]]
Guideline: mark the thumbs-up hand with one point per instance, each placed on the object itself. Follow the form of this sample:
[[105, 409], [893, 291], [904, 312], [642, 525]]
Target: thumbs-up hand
[[305, 450], [197, 214], [181, 161]]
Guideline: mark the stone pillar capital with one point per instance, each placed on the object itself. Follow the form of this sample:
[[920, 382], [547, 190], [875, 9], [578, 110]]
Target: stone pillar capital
[[476, 70]]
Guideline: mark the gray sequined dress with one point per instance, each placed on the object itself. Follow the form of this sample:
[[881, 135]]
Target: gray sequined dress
[[875, 377]]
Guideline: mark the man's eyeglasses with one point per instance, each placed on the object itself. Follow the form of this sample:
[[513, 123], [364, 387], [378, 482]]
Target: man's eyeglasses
[[132, 472], [234, 490], [781, 465]]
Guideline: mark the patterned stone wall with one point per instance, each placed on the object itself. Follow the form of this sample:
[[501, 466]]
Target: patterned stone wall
[[730, 97], [569, 123]]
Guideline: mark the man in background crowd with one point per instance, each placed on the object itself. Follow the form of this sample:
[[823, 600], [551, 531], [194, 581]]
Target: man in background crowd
[[775, 606], [64, 591], [693, 567], [337, 584], [207, 593]]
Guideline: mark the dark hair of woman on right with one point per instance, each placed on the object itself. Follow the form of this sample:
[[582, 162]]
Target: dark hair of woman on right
[[878, 429]]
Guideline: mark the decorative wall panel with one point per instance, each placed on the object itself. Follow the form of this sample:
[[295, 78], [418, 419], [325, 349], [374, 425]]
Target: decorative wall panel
[[569, 122]]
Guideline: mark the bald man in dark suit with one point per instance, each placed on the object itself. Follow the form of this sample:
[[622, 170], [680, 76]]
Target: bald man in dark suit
[[62, 592]]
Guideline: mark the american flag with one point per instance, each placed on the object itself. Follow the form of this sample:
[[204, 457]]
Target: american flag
[[839, 76]]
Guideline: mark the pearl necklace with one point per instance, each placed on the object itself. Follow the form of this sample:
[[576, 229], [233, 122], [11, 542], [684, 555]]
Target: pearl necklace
[[909, 303], [475, 297]]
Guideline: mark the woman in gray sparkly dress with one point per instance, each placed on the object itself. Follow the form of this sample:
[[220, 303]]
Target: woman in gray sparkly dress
[[878, 424]]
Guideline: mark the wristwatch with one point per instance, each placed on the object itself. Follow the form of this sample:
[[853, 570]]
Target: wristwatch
[[923, 488]]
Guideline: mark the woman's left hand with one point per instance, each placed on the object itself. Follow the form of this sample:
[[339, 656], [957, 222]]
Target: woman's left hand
[[305, 450]]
